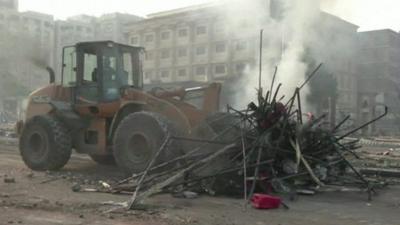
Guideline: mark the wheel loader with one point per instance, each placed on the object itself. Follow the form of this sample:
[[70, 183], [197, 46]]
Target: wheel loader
[[100, 108]]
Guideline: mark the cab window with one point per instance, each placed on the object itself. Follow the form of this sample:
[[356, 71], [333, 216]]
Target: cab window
[[127, 73], [69, 67], [90, 73]]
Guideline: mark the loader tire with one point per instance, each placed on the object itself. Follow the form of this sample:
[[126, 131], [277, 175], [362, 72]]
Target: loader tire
[[138, 138], [103, 159], [45, 144]]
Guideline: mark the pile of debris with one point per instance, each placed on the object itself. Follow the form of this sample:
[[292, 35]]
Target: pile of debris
[[268, 147]]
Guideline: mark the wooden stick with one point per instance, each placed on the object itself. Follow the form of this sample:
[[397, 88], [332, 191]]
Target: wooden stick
[[132, 201], [158, 187]]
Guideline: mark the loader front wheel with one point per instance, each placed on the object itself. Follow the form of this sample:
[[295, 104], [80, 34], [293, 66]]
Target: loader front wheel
[[45, 144], [138, 138]]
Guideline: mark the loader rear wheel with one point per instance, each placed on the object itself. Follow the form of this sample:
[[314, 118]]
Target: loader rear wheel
[[138, 138], [103, 159], [45, 144]]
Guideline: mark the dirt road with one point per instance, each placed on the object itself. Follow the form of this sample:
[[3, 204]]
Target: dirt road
[[40, 198]]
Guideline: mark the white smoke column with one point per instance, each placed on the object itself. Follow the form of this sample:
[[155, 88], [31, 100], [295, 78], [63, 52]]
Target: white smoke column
[[297, 25], [284, 46]]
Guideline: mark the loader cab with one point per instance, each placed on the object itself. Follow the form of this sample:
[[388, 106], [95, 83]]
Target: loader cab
[[98, 71]]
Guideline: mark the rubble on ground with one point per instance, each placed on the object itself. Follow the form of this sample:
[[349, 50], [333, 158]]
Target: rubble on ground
[[269, 147]]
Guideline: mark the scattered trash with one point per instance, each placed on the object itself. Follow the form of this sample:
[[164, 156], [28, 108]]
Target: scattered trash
[[305, 192], [105, 185], [186, 194], [9, 180], [262, 201], [30, 175], [76, 188], [112, 203]]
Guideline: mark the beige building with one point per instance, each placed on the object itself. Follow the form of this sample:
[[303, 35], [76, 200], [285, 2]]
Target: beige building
[[201, 44], [112, 26], [192, 44], [9, 4]]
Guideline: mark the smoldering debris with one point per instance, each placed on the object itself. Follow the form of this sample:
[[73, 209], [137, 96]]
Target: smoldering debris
[[269, 147]]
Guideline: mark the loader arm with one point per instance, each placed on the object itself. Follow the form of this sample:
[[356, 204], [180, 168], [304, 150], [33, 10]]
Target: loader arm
[[207, 97]]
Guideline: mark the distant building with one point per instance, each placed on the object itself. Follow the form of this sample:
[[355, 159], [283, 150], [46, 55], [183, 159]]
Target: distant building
[[9, 4], [379, 79], [203, 44], [44, 38], [193, 44], [336, 48], [28, 37], [112, 26]]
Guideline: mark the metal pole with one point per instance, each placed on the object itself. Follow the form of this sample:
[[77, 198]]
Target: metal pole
[[260, 63]]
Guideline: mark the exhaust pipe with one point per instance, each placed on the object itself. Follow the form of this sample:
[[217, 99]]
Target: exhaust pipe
[[51, 74]]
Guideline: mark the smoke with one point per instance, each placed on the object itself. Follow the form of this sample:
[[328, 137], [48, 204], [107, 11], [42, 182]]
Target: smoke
[[287, 33], [40, 60], [22, 63]]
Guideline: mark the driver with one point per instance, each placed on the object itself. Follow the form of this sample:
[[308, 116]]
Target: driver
[[110, 78], [109, 71]]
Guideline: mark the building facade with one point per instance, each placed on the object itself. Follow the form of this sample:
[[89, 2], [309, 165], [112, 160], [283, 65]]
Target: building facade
[[112, 26], [336, 47], [203, 44], [9, 4], [193, 44], [25, 45], [379, 79]]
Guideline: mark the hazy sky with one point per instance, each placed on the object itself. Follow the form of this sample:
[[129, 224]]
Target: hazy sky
[[368, 14]]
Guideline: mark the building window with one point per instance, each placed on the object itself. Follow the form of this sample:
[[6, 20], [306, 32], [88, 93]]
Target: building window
[[182, 72], [220, 69], [182, 52], [134, 41], [201, 50], [220, 47], [200, 30], [241, 45], [200, 70], [183, 32], [164, 74], [165, 54], [149, 38], [165, 35], [149, 56]]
